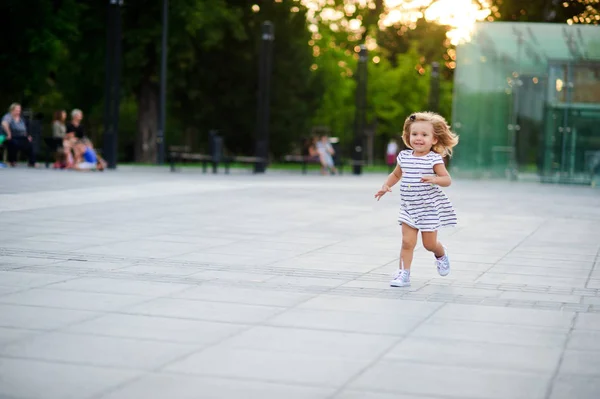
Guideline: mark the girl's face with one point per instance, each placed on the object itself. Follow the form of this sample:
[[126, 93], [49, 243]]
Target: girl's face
[[422, 137]]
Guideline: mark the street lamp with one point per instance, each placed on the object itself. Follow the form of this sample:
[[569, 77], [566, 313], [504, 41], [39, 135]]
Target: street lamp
[[264, 81], [162, 114], [112, 89], [361, 109], [434, 90]]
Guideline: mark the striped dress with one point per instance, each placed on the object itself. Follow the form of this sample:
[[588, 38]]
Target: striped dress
[[423, 206]]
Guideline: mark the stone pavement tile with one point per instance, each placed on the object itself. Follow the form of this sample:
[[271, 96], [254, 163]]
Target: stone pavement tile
[[317, 265], [98, 350], [5, 290], [456, 291], [521, 317], [200, 242], [157, 270], [356, 394], [535, 296], [468, 266], [119, 286], [157, 328], [541, 257], [161, 386], [575, 387], [72, 299], [293, 368], [88, 266], [302, 281], [460, 382], [352, 346], [335, 320], [42, 380], [77, 240], [28, 244], [39, 318], [486, 356], [564, 272], [550, 262], [556, 248], [370, 305], [322, 256], [8, 335], [588, 321], [591, 300], [205, 310], [490, 333], [226, 276], [249, 296], [219, 259], [593, 283], [504, 278], [19, 261], [141, 248], [17, 278], [581, 362]]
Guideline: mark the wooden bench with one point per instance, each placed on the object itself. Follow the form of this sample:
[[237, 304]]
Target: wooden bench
[[182, 154], [303, 160]]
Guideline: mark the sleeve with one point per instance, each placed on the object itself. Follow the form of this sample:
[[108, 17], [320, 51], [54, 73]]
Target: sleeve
[[437, 159], [6, 118], [399, 158]]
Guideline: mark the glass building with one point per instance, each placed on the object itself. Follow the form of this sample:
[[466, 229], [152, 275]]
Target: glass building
[[527, 102]]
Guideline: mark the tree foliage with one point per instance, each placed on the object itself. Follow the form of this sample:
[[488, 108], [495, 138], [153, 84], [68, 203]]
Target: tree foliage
[[55, 59]]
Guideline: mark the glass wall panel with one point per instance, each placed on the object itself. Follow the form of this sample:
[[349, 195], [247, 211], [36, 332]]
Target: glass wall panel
[[527, 102]]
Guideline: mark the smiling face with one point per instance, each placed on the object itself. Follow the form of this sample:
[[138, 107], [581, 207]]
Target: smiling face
[[422, 138]]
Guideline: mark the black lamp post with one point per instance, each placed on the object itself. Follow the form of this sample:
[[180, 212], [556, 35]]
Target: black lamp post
[[112, 82], [162, 113], [434, 91], [361, 109], [264, 82]]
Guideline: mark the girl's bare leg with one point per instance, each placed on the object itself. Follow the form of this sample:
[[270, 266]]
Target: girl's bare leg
[[431, 243], [409, 241]]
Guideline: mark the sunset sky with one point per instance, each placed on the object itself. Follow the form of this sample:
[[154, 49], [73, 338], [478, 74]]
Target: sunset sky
[[459, 14]]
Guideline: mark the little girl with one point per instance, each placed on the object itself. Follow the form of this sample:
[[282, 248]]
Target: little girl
[[423, 205]]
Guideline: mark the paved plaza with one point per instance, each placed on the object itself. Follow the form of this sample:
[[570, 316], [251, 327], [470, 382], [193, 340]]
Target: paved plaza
[[145, 284]]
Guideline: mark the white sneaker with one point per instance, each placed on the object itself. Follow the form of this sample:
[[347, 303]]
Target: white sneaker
[[443, 264], [401, 279]]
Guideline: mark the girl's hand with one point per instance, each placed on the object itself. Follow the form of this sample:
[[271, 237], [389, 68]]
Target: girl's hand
[[384, 189], [429, 179]]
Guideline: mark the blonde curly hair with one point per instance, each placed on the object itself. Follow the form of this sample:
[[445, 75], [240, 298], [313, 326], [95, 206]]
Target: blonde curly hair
[[446, 139]]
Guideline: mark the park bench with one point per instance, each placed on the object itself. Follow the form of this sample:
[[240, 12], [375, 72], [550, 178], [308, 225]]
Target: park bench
[[182, 154]]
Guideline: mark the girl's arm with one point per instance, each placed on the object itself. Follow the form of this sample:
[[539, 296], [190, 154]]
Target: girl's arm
[[392, 179], [442, 177]]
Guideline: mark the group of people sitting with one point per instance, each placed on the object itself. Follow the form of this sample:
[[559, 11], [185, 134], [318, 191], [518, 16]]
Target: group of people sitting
[[73, 149], [319, 149]]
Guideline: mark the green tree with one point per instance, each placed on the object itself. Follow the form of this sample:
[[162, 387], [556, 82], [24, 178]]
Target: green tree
[[33, 47]]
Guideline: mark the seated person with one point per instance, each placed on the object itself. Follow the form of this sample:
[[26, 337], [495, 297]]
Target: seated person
[[85, 156], [101, 164]]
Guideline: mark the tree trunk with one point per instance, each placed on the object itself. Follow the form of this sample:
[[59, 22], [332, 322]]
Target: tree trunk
[[145, 143]]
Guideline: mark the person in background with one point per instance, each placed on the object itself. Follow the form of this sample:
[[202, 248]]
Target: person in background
[[391, 153], [59, 129], [85, 156], [326, 153], [16, 137], [74, 126]]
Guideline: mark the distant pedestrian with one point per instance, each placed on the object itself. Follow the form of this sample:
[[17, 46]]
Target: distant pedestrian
[[16, 136], [391, 153], [423, 205]]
